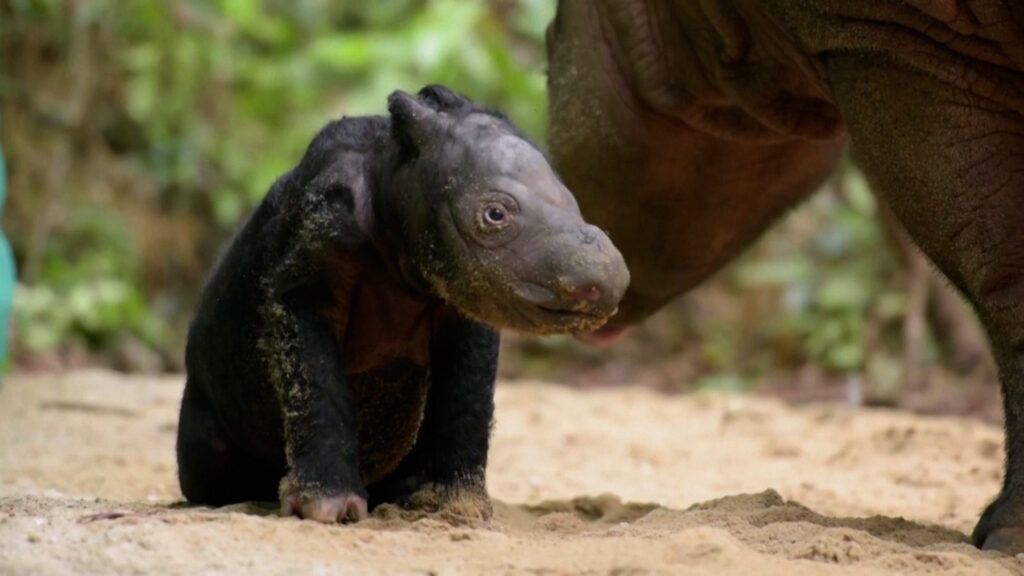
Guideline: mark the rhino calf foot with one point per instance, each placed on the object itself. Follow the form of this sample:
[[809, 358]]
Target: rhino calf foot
[[344, 508], [465, 502]]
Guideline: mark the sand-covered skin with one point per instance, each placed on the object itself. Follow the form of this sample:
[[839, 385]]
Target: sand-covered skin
[[738, 485]]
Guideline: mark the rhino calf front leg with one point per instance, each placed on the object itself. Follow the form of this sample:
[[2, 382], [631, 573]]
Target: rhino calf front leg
[[320, 422], [446, 469], [951, 164]]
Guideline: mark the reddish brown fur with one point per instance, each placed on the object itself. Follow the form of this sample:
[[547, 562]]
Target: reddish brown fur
[[376, 322]]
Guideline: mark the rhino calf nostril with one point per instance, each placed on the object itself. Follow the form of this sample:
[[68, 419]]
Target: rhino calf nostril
[[581, 293]]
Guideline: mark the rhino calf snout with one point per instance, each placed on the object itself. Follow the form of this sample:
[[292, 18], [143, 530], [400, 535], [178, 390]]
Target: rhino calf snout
[[592, 275]]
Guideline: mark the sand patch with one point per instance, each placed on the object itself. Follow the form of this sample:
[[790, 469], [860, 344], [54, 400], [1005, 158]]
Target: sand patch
[[612, 482]]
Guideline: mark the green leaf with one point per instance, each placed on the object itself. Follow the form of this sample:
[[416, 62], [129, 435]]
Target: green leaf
[[845, 292], [775, 272]]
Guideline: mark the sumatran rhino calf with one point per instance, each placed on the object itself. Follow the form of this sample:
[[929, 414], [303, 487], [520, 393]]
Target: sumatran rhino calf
[[345, 347]]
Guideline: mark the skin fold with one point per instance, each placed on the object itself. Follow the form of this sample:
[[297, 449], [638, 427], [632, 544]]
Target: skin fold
[[345, 347], [686, 127]]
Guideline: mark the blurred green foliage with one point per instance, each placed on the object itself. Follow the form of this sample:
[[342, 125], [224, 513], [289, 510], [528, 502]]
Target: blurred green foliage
[[165, 122], [832, 285], [89, 291], [238, 87], [216, 99]]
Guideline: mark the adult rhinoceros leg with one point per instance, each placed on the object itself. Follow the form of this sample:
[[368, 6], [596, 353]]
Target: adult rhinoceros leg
[[946, 147]]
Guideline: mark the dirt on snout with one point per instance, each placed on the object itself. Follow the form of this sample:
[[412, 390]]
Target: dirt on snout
[[619, 482]]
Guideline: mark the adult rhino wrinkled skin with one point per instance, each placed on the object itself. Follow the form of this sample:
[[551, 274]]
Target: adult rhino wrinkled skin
[[685, 127]]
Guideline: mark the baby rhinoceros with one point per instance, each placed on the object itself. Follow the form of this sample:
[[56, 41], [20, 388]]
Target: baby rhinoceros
[[345, 347]]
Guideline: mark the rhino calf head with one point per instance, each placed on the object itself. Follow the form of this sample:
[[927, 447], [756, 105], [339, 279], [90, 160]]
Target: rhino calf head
[[488, 225]]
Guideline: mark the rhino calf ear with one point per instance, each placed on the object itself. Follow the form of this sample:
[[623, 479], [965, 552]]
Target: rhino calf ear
[[412, 121], [442, 98]]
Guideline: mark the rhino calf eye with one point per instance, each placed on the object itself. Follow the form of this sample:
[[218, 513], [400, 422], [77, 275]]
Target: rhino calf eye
[[495, 214]]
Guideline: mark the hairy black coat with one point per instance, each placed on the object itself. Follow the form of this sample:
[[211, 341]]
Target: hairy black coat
[[315, 352]]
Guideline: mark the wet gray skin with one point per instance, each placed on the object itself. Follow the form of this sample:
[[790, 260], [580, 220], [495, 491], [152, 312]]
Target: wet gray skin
[[493, 230]]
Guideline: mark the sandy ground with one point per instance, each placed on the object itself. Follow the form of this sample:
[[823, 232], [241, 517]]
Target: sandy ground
[[611, 482]]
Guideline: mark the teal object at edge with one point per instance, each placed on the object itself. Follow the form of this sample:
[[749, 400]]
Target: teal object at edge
[[7, 272]]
